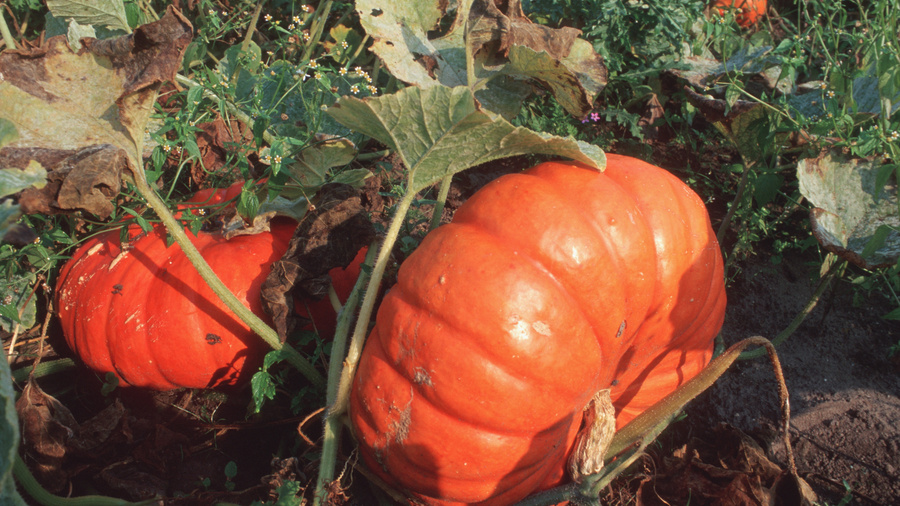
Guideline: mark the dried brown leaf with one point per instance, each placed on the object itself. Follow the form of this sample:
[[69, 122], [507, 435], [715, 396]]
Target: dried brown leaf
[[329, 236], [84, 113], [47, 427]]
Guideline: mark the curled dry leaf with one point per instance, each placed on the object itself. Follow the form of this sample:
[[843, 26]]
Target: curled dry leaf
[[82, 115], [47, 426], [328, 236]]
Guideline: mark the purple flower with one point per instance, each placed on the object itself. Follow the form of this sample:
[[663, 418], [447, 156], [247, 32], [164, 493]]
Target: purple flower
[[595, 116]]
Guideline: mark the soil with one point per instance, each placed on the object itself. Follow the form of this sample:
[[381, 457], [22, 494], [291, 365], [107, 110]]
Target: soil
[[844, 388], [844, 398]]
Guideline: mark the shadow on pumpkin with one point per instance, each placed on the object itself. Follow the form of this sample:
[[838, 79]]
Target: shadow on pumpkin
[[219, 349]]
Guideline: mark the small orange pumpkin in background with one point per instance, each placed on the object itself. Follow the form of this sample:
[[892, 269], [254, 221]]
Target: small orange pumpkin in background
[[746, 12]]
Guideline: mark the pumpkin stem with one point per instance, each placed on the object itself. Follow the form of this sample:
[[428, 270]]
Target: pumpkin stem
[[593, 440]]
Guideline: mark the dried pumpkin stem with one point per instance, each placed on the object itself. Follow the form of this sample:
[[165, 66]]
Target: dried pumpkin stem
[[628, 444], [209, 276]]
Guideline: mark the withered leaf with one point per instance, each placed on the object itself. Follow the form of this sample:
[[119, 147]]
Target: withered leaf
[[47, 426], [554, 58], [85, 113], [329, 236]]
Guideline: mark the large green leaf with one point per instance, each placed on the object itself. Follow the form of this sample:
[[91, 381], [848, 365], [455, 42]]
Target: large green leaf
[[16, 180], [440, 131], [855, 212]]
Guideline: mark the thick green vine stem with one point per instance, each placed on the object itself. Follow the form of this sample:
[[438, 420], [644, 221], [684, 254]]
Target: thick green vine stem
[[4, 31], [240, 310], [441, 202], [44, 369], [337, 405], [34, 489]]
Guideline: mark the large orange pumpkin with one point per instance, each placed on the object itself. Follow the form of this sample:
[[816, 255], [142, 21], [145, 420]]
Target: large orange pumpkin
[[547, 287]]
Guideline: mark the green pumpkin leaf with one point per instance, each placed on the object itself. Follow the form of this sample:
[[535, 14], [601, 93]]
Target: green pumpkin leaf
[[312, 164], [108, 13], [440, 131], [9, 439], [854, 216]]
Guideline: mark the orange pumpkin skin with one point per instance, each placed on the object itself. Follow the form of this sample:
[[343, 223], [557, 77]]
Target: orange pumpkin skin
[[746, 12], [547, 287], [142, 311]]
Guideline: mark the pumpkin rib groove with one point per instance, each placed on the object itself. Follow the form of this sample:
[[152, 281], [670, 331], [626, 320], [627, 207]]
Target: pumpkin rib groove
[[611, 252], [470, 348], [419, 298], [598, 233]]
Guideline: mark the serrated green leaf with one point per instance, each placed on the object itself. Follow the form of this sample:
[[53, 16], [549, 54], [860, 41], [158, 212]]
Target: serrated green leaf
[[262, 388], [851, 210], [16, 180], [248, 204], [108, 13], [440, 131]]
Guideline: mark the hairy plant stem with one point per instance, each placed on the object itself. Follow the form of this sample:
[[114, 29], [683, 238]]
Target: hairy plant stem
[[240, 310], [251, 29], [44, 369], [337, 405], [34, 489], [320, 17], [441, 202]]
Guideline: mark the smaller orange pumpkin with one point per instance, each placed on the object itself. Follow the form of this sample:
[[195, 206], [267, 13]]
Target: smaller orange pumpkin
[[746, 12]]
